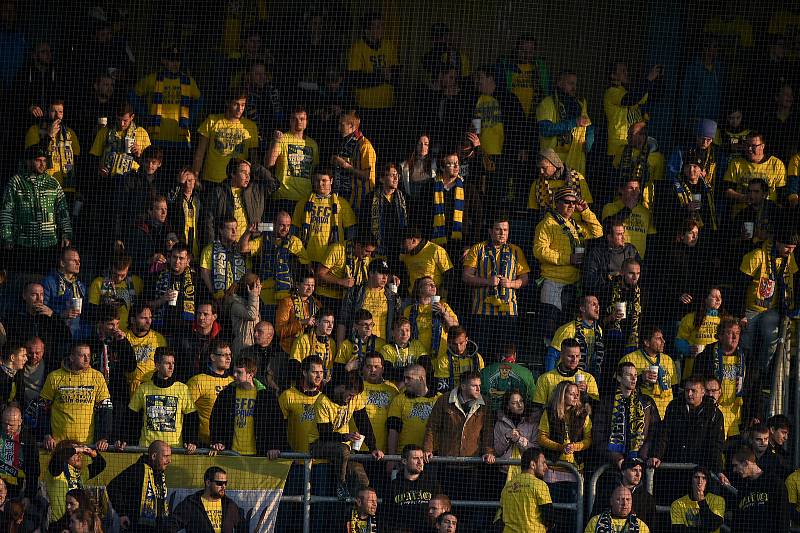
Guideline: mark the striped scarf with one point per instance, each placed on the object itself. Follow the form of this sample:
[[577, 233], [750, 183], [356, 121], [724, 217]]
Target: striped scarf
[[663, 385], [115, 148], [633, 308], [168, 280], [157, 101], [305, 231], [299, 307], [439, 215], [221, 259], [109, 295], [500, 264], [376, 212], [355, 267], [436, 328], [635, 167], [276, 263], [685, 198], [591, 362], [627, 425], [572, 230], [605, 525], [362, 348], [544, 193], [346, 183]]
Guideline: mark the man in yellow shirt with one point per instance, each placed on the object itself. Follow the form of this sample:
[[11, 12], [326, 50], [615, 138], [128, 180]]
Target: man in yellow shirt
[[60, 143], [144, 342], [359, 344], [638, 219], [223, 137], [640, 159], [206, 386], [409, 411], [117, 289], [246, 417], [324, 218], [620, 517], [78, 403], [587, 331], [552, 175], [700, 509], [525, 501], [317, 343], [625, 106], [755, 163], [294, 155], [559, 246], [567, 369], [380, 394], [165, 406], [354, 163], [119, 147], [345, 265], [564, 123], [297, 405], [222, 263], [422, 258], [377, 297], [655, 383]]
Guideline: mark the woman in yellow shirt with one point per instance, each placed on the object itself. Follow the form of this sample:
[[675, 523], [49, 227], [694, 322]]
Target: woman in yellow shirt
[[565, 431], [698, 329]]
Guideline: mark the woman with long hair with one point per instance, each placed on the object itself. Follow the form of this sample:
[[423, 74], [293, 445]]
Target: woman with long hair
[[514, 431], [565, 431], [241, 306], [698, 329], [75, 500], [85, 521], [418, 168]]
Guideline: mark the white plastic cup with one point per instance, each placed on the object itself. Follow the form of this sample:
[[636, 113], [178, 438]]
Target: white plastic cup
[[698, 198], [265, 227], [654, 369], [579, 251], [435, 299], [102, 122], [356, 444], [77, 304], [476, 125], [622, 307], [128, 145], [174, 301], [393, 288], [749, 229], [579, 378]]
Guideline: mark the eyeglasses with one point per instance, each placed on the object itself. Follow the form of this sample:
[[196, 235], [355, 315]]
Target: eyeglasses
[[219, 483], [754, 146], [709, 391], [456, 164]]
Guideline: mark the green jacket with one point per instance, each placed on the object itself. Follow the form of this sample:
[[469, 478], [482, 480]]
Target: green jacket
[[34, 212]]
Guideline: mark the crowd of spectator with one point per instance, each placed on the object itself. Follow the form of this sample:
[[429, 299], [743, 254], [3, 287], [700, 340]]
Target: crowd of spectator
[[284, 261]]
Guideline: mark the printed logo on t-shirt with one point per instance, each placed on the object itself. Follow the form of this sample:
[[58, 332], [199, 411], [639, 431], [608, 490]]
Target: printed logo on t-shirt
[[421, 411], [162, 412]]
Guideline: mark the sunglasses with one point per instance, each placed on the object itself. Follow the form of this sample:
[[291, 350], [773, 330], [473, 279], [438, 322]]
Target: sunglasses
[[568, 202], [219, 483]]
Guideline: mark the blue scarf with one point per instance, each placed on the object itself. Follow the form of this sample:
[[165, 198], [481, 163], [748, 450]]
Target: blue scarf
[[276, 262], [436, 328], [221, 258]]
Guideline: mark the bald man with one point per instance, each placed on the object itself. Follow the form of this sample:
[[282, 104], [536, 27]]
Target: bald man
[[20, 464], [620, 517]]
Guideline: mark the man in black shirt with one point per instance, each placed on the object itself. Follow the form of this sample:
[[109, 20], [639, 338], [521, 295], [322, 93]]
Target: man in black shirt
[[409, 494], [762, 502]]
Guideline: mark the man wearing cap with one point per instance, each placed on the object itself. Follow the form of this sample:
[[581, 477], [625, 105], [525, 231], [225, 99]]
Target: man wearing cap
[[558, 244], [564, 123], [376, 297], [630, 477], [703, 151], [641, 159], [496, 270], [167, 102], [34, 230], [554, 174]]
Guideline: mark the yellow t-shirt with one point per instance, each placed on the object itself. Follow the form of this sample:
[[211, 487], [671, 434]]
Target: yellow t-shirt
[[548, 381], [298, 411], [296, 161], [244, 432], [347, 350], [684, 511], [431, 261], [308, 344], [740, 171], [642, 363], [761, 291], [213, 510], [365, 59], [620, 117], [793, 488], [401, 357], [705, 335], [257, 248], [568, 331], [522, 86], [520, 501], [144, 348], [226, 139], [425, 326], [339, 267], [656, 168], [204, 389], [379, 396], [74, 396], [376, 303], [492, 131], [618, 525], [118, 161], [638, 225], [164, 409], [320, 223], [62, 153], [207, 262], [97, 294], [168, 130], [239, 213], [338, 416], [729, 403], [441, 366], [554, 185], [413, 413]]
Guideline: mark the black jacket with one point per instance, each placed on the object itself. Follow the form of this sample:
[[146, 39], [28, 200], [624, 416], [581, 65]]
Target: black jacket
[[191, 515], [21, 326], [688, 436], [600, 266], [269, 424], [27, 486], [601, 427], [406, 505], [122, 360], [125, 493]]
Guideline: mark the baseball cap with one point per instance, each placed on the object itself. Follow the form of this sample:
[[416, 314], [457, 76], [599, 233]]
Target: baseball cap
[[631, 462], [379, 267]]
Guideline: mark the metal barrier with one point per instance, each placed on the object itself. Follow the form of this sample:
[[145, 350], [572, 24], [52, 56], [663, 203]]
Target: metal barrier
[[307, 498]]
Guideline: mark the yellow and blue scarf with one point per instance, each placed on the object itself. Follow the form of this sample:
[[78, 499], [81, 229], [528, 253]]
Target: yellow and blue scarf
[[221, 257], [276, 263], [163, 284], [439, 216], [436, 328], [627, 425]]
